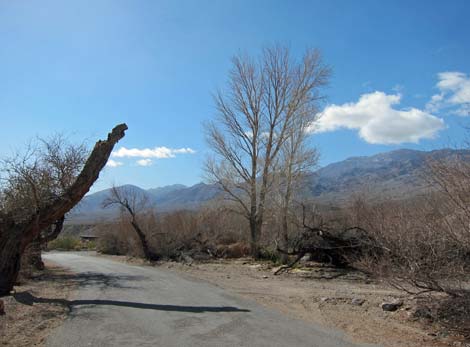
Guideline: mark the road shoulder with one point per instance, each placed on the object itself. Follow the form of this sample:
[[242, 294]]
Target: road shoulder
[[28, 324], [326, 302]]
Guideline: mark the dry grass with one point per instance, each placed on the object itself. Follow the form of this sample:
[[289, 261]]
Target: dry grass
[[29, 325]]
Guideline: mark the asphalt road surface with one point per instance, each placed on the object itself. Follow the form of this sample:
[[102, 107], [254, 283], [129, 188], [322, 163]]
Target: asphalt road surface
[[123, 305]]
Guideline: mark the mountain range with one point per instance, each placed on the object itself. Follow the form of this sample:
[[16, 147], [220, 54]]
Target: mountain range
[[391, 175]]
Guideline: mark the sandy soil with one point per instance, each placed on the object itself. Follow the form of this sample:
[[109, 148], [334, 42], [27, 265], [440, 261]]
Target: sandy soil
[[324, 296], [25, 324]]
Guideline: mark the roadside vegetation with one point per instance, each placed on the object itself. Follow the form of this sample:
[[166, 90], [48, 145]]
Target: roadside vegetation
[[69, 243]]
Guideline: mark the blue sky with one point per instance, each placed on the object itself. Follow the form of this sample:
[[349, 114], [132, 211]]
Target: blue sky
[[401, 74]]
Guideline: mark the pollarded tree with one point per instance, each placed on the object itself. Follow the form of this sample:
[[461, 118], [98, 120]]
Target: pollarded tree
[[18, 228], [37, 177], [255, 115]]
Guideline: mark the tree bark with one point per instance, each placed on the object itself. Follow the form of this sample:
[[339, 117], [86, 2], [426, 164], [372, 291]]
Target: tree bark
[[10, 256], [32, 256], [16, 235], [53, 233], [284, 235], [255, 252], [255, 235]]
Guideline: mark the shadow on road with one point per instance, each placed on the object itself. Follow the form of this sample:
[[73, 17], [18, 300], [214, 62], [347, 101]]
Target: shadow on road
[[92, 279], [27, 298]]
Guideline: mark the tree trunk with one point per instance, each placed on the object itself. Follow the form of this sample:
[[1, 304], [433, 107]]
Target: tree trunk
[[52, 234], [148, 253], [285, 219], [16, 235], [10, 258], [255, 232], [33, 255], [10, 273], [284, 235]]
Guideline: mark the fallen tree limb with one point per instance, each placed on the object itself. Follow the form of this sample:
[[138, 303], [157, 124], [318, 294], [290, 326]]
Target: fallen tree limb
[[327, 245]]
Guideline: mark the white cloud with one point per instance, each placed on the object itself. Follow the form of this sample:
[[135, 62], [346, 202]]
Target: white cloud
[[435, 103], [157, 152], [378, 122], [454, 93], [463, 111], [113, 163], [144, 162]]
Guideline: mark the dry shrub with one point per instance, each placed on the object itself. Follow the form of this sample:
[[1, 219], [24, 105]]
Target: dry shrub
[[65, 243], [194, 233], [234, 250], [424, 248], [454, 314], [422, 245], [197, 233], [117, 239], [416, 249]]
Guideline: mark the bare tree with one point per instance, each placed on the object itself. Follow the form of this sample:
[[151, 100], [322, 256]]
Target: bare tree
[[132, 203], [296, 160], [19, 228], [255, 115]]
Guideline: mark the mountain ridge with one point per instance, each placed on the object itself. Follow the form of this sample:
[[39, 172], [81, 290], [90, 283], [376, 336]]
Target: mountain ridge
[[394, 174]]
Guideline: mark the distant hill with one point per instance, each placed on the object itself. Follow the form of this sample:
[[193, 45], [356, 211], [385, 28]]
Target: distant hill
[[396, 174], [165, 199], [187, 198], [91, 209], [160, 192]]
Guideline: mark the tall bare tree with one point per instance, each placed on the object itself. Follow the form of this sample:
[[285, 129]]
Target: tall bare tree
[[18, 228], [255, 115], [132, 203], [296, 160]]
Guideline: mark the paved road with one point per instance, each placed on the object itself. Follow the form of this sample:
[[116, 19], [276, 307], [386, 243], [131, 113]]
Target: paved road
[[123, 305]]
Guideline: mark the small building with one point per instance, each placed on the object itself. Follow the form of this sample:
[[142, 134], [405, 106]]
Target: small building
[[89, 235]]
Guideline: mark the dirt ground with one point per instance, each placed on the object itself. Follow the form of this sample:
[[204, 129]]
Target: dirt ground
[[324, 296], [25, 324], [313, 293]]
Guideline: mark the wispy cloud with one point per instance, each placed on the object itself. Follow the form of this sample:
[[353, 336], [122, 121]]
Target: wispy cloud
[[144, 162], [454, 93], [157, 152], [398, 88], [378, 121], [114, 163]]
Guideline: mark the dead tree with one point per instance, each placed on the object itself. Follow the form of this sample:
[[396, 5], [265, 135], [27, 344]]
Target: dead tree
[[17, 232], [130, 202]]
